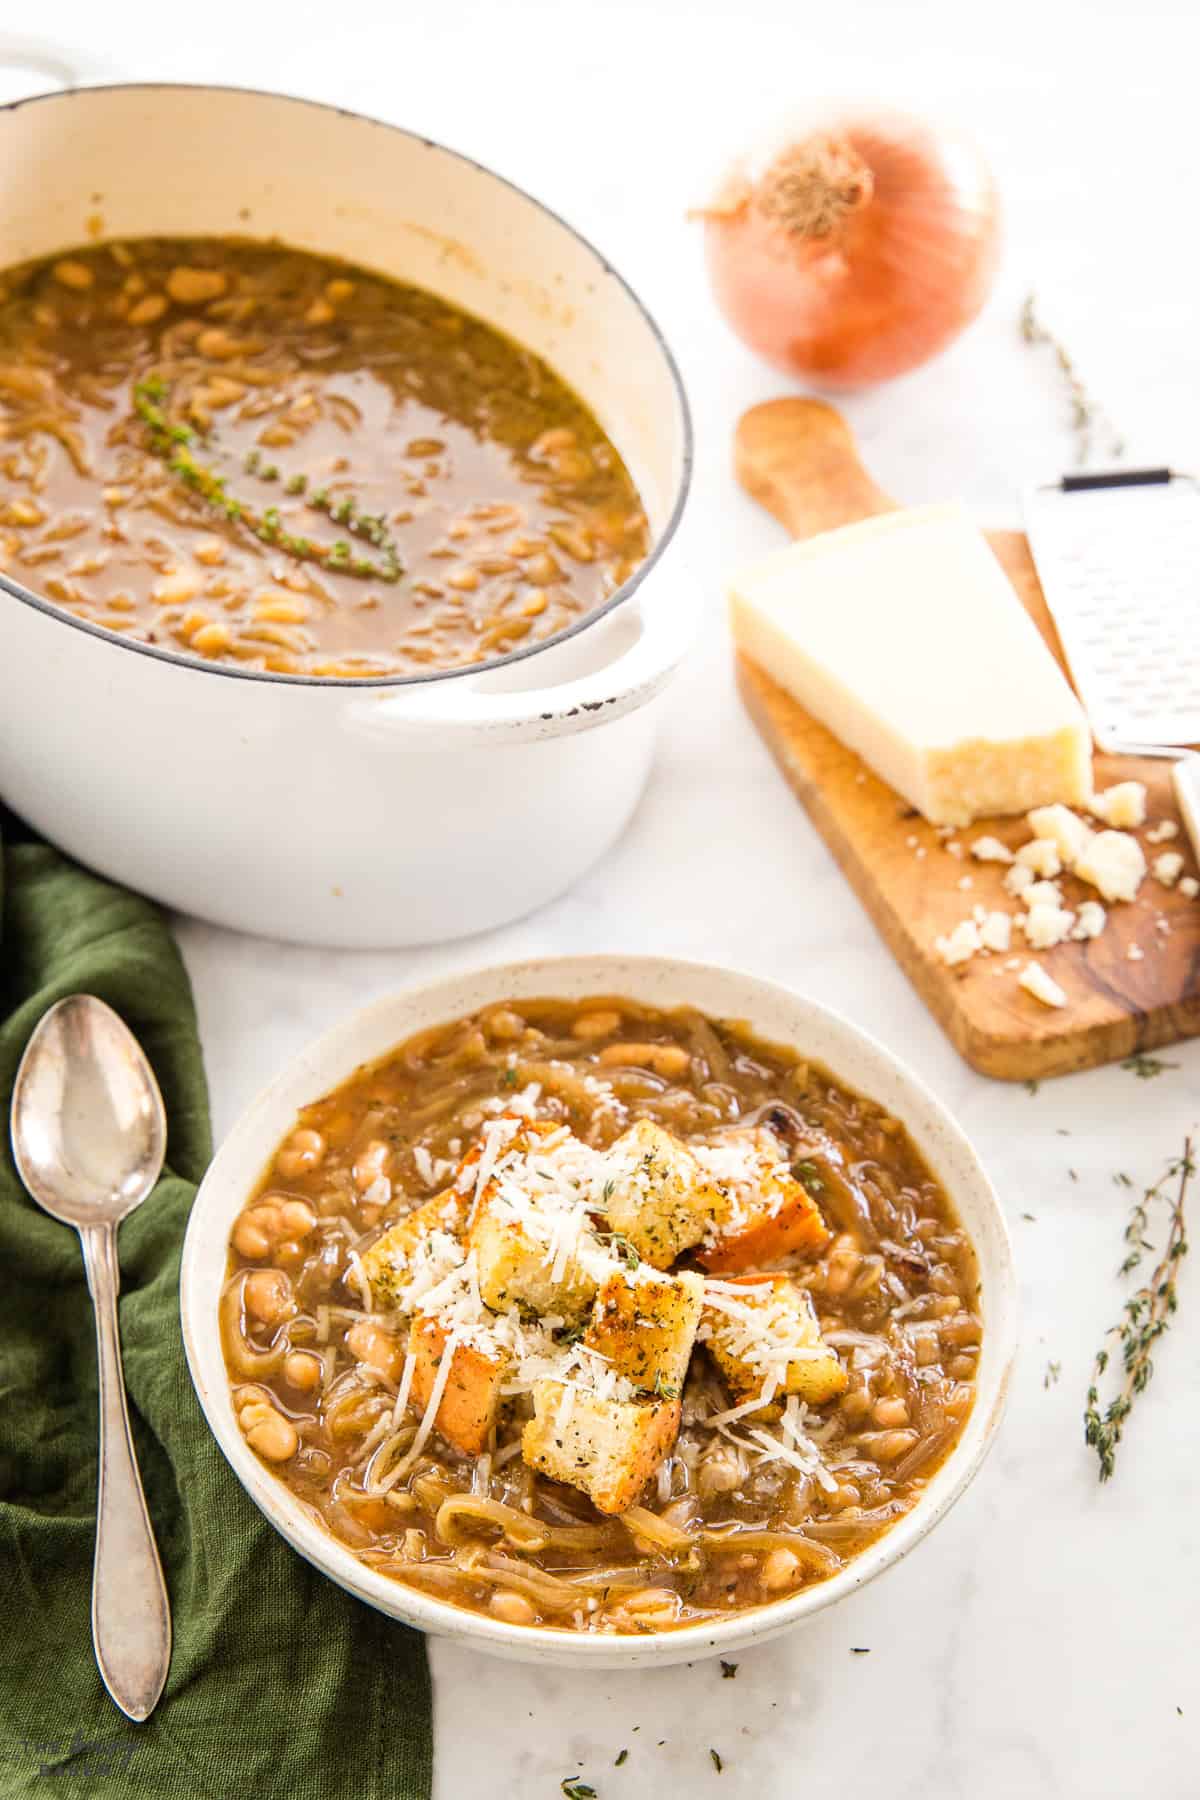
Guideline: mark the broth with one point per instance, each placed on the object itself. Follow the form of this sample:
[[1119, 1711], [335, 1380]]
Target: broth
[[266, 458]]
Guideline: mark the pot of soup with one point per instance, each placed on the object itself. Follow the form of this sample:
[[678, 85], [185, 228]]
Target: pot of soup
[[339, 481]]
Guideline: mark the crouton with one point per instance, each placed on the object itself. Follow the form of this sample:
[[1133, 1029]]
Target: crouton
[[386, 1264], [769, 1208], [519, 1266], [644, 1324], [656, 1196], [762, 1334], [471, 1398], [609, 1449]]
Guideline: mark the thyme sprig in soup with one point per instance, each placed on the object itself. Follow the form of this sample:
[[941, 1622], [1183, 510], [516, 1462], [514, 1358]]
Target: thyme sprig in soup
[[262, 457], [594, 1316]]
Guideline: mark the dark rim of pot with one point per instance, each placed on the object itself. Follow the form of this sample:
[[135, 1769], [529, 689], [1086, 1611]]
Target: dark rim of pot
[[177, 658]]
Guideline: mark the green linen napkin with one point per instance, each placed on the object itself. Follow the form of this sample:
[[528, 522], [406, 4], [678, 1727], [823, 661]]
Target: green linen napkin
[[280, 1684]]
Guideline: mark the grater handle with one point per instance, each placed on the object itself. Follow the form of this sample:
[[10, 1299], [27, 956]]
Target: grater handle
[[1117, 478], [1185, 779]]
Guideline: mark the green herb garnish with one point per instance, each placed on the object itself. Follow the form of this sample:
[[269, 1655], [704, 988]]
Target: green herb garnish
[[1148, 1311], [809, 1177], [621, 1248], [728, 1670], [717, 1764], [172, 442], [1086, 417], [1053, 1371], [577, 1790], [1147, 1067], [620, 1758]]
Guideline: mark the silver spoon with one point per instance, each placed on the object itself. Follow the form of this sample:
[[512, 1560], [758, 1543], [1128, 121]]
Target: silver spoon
[[89, 1134]]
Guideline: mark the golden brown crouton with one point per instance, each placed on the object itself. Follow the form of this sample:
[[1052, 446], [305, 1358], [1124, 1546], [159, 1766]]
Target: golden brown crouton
[[511, 1257], [644, 1324], [386, 1263], [749, 1332], [770, 1210], [472, 1395], [607, 1448], [657, 1198]]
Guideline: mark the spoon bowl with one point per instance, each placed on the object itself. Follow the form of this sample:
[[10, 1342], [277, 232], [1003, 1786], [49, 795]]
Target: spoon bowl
[[89, 1130], [89, 1135]]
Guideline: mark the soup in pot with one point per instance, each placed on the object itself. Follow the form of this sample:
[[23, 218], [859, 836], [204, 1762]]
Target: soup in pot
[[269, 459], [598, 1317]]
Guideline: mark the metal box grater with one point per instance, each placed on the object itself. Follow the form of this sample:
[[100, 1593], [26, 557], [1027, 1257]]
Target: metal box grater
[[1118, 557]]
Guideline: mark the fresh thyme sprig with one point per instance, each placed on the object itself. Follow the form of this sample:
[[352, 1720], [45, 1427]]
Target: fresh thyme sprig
[[172, 442], [1147, 1312], [1087, 416], [621, 1248]]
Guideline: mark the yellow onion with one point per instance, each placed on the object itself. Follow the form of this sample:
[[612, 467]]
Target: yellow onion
[[858, 248]]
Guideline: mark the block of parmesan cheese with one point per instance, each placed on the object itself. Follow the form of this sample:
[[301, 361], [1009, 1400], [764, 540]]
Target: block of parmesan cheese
[[903, 636]]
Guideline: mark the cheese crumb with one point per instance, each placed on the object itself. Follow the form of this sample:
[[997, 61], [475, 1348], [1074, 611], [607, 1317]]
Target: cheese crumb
[[1168, 867], [1122, 806], [1045, 926], [1040, 855], [1158, 834], [1019, 878], [1189, 886], [1042, 893], [965, 882], [1034, 979], [1114, 863], [1091, 921], [961, 945], [995, 931], [1135, 953], [990, 849], [1064, 829]]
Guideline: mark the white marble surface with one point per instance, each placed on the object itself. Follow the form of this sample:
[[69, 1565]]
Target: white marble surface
[[1042, 1643]]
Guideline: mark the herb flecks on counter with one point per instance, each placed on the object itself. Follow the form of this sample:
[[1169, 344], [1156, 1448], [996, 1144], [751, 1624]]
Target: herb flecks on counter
[[1087, 417], [172, 442], [1148, 1311], [1147, 1067]]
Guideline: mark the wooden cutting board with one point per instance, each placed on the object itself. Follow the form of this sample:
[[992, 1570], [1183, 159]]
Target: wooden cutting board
[[798, 458]]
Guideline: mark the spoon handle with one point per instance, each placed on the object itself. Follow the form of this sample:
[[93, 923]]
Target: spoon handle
[[131, 1619]]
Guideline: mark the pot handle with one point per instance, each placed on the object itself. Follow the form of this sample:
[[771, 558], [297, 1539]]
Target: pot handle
[[57, 65], [457, 711]]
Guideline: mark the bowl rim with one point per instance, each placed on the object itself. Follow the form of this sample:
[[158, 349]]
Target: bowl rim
[[355, 683], [545, 1643]]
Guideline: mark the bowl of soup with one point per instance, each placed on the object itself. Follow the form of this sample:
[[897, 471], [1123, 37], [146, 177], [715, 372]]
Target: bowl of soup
[[337, 517], [598, 1309]]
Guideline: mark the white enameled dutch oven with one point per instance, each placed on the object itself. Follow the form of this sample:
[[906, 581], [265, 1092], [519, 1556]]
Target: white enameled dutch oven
[[375, 813], [777, 1014]]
